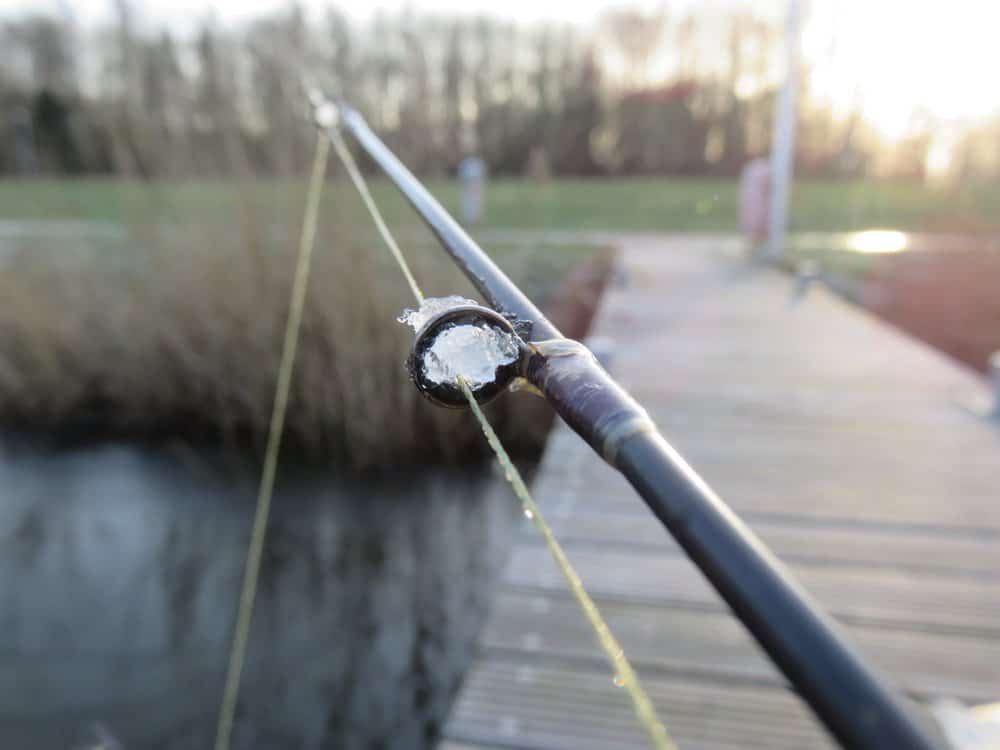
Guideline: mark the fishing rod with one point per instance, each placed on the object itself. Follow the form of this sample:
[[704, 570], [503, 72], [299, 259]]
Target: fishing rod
[[855, 703]]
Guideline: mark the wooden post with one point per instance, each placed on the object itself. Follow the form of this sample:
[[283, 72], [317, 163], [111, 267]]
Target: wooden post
[[995, 372], [783, 141], [472, 175]]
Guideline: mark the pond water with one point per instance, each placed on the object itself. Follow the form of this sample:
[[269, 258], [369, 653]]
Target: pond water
[[119, 574]]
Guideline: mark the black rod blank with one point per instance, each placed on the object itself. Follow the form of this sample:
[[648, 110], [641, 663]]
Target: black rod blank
[[859, 708], [499, 291]]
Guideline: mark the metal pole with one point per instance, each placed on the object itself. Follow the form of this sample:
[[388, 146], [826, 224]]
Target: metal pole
[[857, 706], [783, 142]]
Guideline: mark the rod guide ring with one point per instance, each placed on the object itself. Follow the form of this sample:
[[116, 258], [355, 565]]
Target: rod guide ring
[[450, 395]]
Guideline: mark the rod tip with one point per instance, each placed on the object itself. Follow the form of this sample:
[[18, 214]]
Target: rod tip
[[325, 112]]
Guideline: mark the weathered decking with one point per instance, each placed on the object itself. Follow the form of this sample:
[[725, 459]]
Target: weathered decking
[[839, 440]]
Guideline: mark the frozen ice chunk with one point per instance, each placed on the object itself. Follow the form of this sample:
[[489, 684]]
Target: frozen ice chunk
[[430, 307], [471, 351]]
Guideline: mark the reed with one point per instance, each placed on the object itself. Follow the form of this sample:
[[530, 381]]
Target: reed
[[179, 338]]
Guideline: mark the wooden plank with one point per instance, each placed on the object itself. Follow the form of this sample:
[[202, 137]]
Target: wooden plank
[[929, 665], [527, 705], [942, 498], [909, 600], [852, 545], [814, 409], [946, 497], [838, 440]]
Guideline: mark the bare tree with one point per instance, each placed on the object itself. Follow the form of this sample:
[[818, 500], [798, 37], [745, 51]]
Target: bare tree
[[454, 80], [636, 37], [643, 90]]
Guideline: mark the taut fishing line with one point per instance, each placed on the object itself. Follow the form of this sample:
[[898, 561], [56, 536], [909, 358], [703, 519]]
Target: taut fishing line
[[289, 348], [624, 675]]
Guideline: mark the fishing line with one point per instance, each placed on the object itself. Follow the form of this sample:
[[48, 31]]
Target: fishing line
[[289, 348], [624, 675], [362, 187]]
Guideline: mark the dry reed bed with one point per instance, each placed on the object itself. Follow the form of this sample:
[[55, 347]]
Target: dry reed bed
[[182, 341]]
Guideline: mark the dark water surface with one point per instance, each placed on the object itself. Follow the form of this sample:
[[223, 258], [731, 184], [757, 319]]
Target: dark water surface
[[119, 575]]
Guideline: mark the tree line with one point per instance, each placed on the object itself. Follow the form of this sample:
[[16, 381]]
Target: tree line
[[641, 94]]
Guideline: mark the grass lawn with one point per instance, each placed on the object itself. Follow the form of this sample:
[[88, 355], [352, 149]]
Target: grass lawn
[[667, 204], [653, 204]]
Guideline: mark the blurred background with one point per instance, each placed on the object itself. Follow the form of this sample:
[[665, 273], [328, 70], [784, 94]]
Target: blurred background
[[677, 88], [153, 157], [896, 122]]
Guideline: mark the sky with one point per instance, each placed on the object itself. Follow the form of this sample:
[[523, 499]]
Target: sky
[[902, 56], [897, 58]]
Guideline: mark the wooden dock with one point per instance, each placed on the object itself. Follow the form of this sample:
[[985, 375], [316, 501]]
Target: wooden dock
[[844, 444]]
